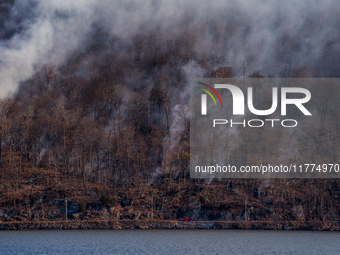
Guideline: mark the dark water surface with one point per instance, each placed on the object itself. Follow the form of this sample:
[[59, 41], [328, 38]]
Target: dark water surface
[[168, 242]]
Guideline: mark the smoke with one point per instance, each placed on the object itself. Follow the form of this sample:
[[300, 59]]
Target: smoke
[[180, 114], [154, 176], [56, 30], [266, 183], [268, 36]]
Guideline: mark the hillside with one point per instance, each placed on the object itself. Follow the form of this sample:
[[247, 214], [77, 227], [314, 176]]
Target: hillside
[[169, 198], [95, 109]]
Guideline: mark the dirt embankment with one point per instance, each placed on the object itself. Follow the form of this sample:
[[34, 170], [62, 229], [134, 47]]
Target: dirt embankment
[[218, 204], [150, 224]]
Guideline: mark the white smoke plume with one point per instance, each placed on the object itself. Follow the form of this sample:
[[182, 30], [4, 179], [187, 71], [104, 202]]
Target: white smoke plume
[[245, 30]]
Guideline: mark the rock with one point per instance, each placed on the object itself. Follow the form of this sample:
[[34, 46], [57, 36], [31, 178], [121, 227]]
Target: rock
[[104, 210], [74, 208], [111, 209], [298, 212], [126, 202], [75, 216]]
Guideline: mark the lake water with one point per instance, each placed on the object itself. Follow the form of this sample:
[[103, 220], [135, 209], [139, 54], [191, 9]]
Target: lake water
[[168, 242]]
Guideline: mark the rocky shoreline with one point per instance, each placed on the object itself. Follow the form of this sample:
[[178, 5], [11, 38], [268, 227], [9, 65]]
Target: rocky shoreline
[[150, 224]]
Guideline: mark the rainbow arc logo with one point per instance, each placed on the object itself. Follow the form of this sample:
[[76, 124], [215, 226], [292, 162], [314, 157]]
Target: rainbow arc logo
[[209, 93]]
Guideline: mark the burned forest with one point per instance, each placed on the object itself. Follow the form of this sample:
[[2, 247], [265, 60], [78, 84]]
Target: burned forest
[[95, 109]]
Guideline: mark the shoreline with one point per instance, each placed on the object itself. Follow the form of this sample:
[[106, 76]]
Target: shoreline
[[163, 224]]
